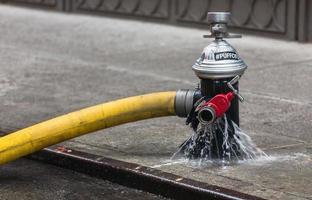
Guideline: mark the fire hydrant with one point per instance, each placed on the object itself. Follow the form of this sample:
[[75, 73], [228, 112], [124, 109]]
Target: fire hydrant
[[219, 68]]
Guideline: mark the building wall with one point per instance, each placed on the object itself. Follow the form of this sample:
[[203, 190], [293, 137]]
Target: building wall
[[305, 20], [282, 18]]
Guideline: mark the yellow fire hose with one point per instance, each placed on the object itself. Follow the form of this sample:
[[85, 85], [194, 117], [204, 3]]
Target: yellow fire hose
[[39, 136]]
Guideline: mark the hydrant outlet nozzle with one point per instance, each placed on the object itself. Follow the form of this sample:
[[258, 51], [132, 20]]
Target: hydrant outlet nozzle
[[209, 111]]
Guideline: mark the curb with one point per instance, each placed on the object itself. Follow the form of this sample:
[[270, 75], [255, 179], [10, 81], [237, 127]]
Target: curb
[[136, 176]]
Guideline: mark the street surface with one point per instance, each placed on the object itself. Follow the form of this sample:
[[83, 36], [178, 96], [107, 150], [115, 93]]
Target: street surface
[[53, 63], [30, 180]]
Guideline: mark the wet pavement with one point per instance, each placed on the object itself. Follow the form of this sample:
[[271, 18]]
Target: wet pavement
[[27, 180], [54, 63]]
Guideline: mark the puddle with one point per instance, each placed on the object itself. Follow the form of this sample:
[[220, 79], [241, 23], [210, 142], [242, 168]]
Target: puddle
[[236, 148], [221, 164]]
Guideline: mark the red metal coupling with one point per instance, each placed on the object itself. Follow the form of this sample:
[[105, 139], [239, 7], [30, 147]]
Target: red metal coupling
[[209, 111]]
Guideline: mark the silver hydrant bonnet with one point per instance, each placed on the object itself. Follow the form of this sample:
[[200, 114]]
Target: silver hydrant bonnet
[[219, 59]]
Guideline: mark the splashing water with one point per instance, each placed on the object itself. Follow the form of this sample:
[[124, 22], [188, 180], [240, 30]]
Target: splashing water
[[222, 142]]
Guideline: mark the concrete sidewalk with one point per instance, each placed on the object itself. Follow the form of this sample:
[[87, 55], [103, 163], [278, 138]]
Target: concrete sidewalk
[[54, 63]]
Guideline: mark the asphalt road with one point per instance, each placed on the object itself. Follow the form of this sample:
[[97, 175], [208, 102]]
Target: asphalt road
[[30, 180]]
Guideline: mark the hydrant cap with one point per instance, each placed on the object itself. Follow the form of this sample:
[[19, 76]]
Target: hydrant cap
[[219, 60]]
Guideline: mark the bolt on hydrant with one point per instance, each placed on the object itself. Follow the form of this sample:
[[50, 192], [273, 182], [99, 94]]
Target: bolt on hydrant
[[212, 110]]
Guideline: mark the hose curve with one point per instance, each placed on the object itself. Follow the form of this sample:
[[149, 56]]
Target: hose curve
[[59, 129]]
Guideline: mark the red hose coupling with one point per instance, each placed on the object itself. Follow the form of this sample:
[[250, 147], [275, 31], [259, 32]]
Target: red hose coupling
[[215, 108]]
